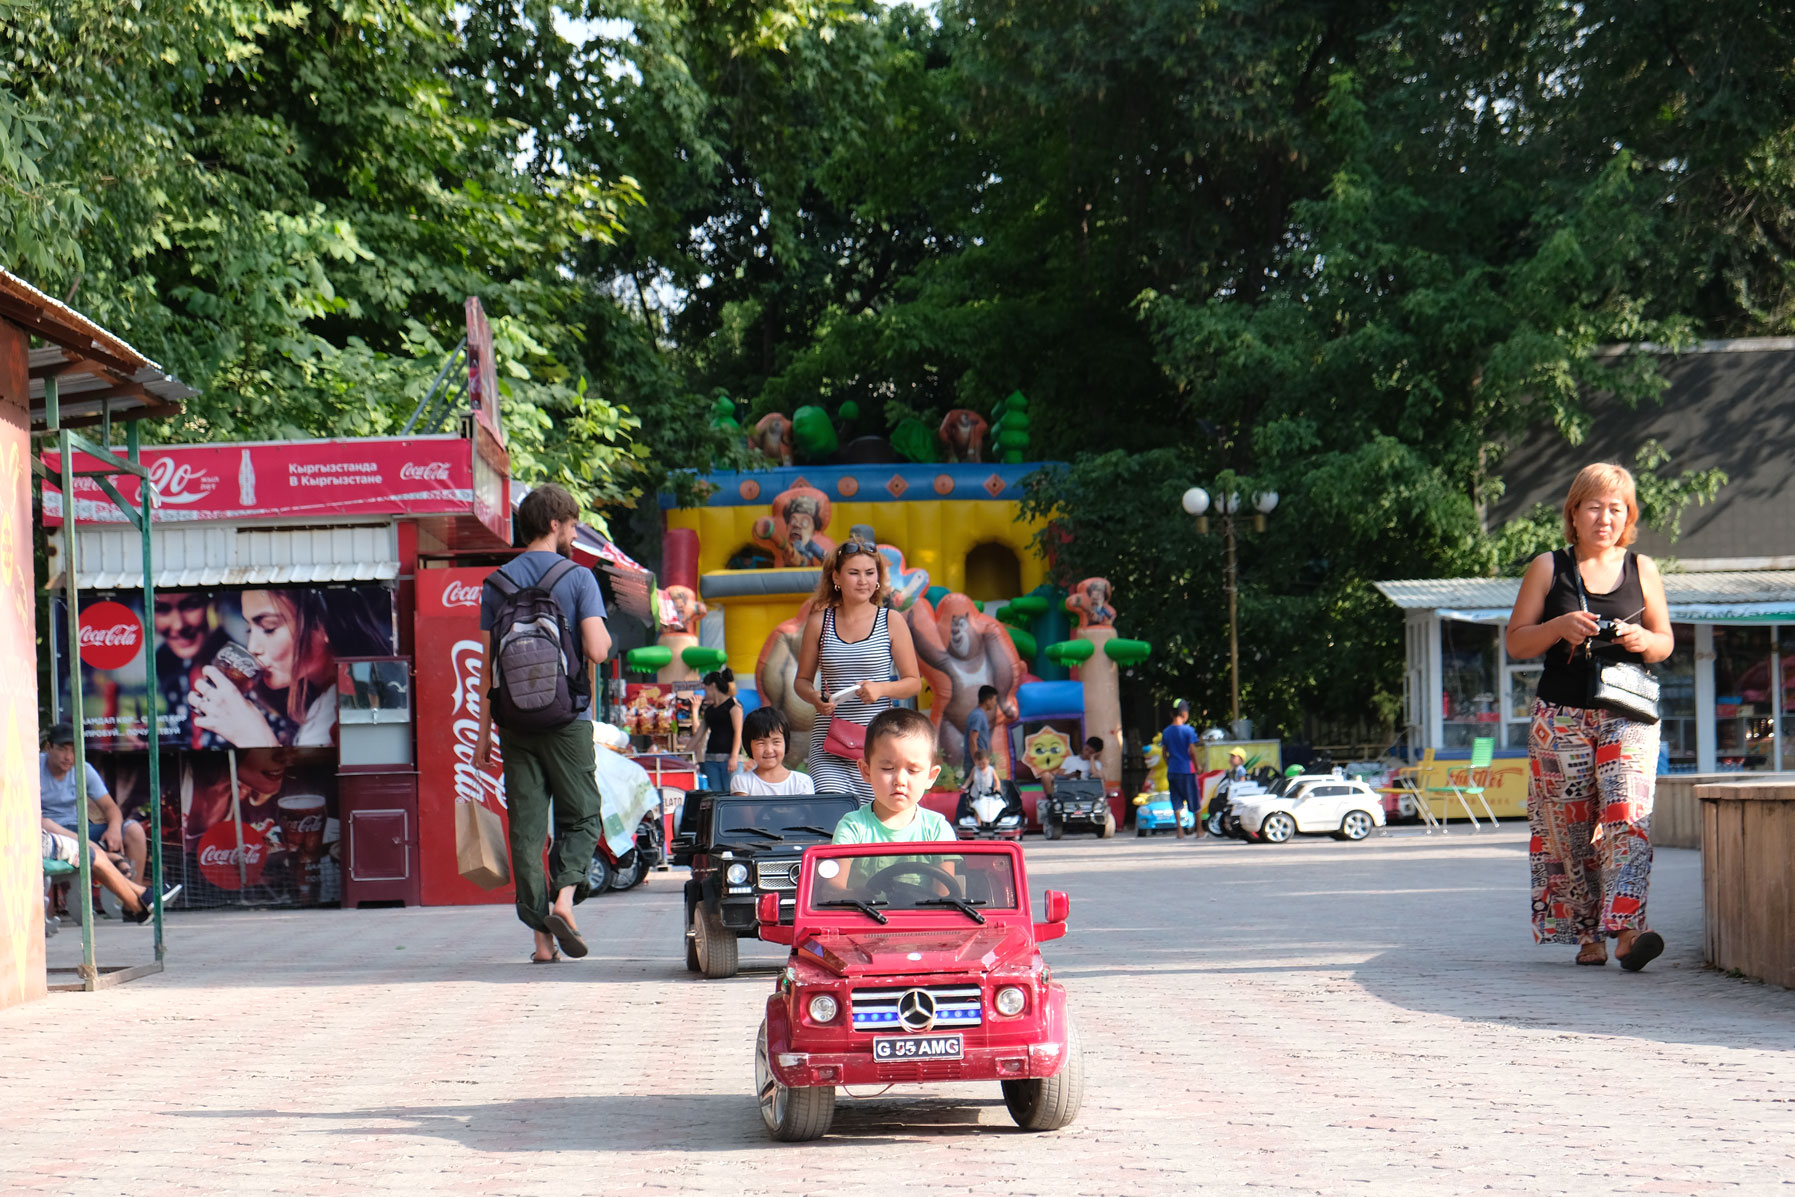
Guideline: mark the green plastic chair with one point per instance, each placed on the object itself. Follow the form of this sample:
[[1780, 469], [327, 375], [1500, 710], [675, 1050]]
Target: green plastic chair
[[1477, 780]]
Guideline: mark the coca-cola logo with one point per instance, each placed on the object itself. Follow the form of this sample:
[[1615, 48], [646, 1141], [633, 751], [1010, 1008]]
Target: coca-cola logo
[[461, 594], [111, 635], [471, 784], [177, 483], [219, 856], [424, 471]]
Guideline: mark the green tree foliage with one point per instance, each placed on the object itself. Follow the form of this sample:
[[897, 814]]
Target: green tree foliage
[[288, 203]]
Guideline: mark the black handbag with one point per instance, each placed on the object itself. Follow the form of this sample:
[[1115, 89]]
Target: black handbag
[[1619, 686]]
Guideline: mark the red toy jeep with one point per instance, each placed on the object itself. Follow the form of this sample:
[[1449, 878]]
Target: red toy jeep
[[914, 963]]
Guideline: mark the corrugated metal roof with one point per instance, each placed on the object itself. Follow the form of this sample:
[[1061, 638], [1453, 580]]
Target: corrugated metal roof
[[1762, 589], [224, 555]]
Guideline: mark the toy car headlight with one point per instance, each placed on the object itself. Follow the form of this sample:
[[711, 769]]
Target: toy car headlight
[[969, 821], [822, 1008], [1010, 1000], [736, 874]]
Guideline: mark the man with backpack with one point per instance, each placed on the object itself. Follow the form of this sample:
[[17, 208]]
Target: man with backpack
[[542, 619]]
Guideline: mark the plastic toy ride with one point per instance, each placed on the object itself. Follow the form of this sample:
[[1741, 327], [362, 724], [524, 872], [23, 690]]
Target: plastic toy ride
[[1313, 804], [912, 963], [1077, 804], [1153, 815], [991, 816], [741, 848]]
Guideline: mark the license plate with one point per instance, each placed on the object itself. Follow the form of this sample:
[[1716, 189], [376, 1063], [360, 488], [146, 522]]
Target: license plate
[[918, 1047]]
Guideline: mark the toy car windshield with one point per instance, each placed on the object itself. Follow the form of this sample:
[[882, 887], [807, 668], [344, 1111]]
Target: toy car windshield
[[770, 820], [878, 885]]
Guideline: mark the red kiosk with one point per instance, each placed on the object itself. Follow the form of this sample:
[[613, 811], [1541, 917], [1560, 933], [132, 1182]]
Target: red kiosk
[[375, 549]]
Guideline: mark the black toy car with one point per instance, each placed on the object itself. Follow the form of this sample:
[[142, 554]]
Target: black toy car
[[740, 846], [1077, 804]]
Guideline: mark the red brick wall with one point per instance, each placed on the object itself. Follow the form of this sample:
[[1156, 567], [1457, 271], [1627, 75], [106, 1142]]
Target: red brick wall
[[21, 870]]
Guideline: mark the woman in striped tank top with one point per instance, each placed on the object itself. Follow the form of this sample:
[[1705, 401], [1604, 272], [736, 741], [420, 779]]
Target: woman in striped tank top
[[855, 660]]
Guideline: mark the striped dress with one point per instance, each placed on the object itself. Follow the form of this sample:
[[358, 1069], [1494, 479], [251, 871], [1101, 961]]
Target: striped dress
[[842, 667]]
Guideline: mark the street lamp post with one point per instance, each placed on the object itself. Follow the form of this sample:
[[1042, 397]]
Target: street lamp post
[[1227, 503]]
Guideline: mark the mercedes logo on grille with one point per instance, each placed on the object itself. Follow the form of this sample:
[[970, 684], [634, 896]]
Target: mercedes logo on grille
[[916, 1010], [793, 872]]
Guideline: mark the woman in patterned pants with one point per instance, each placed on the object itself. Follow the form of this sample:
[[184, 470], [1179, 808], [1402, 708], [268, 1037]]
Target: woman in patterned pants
[[1589, 793]]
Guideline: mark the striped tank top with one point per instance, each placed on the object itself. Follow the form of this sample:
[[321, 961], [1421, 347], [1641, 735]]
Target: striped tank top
[[842, 666]]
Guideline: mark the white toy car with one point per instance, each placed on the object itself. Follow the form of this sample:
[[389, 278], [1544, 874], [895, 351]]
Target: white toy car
[[1313, 804]]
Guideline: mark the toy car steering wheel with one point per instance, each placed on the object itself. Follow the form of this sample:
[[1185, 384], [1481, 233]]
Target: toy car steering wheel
[[876, 883]]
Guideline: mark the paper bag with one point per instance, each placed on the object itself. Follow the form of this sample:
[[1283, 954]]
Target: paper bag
[[480, 852]]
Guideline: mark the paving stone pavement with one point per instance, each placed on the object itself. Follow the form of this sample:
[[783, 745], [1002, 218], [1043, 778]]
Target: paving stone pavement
[[1310, 1018]]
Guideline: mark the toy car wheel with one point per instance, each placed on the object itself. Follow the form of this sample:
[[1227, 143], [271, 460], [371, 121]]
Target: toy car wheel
[[631, 874], [1140, 829], [1052, 828], [599, 874], [1107, 828], [1049, 1103], [791, 1115], [1277, 828], [1214, 824], [692, 964], [716, 947], [1355, 826]]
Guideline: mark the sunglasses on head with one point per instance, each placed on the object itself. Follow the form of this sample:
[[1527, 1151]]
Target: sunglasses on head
[[850, 547]]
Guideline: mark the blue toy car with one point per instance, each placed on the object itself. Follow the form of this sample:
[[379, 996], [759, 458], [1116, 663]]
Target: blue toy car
[[1153, 814]]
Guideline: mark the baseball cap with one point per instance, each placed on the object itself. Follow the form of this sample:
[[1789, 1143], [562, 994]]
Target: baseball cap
[[62, 733], [1182, 705], [1235, 752]]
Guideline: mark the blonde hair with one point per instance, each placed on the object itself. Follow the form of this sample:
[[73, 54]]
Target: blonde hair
[[1592, 481], [828, 594]]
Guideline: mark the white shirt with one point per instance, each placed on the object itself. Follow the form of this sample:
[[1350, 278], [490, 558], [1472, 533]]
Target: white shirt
[[1079, 767], [750, 782]]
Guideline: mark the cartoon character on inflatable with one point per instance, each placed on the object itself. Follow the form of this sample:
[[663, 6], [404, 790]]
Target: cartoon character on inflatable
[[772, 438], [963, 435], [959, 649], [1092, 603], [774, 675], [794, 532]]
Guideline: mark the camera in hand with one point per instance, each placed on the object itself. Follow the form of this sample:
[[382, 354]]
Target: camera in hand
[[1607, 629]]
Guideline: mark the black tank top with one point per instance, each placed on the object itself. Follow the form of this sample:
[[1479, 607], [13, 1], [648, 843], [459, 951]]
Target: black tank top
[[721, 728], [1565, 679]]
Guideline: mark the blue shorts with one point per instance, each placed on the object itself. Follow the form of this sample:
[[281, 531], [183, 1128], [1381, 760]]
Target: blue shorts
[[1184, 791]]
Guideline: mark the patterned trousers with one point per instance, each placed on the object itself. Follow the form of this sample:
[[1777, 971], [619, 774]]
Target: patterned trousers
[[1589, 804]]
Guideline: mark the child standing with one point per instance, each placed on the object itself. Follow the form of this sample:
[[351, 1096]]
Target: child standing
[[765, 729], [899, 765]]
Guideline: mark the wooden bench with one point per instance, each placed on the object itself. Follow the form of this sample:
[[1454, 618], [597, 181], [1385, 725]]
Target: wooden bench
[[1748, 886]]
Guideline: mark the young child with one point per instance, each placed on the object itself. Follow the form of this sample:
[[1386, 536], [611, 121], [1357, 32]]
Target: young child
[[983, 779], [764, 729], [899, 765]]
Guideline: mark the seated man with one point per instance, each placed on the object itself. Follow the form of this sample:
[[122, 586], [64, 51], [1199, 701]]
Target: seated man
[[133, 897], [1087, 764], [57, 797]]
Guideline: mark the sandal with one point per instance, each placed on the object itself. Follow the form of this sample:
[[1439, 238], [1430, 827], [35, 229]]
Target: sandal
[[553, 958], [1646, 947], [1594, 954], [566, 936]]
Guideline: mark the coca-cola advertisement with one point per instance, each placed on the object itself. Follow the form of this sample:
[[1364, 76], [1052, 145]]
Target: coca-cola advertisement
[[278, 847], [422, 475], [277, 844], [450, 691], [251, 668]]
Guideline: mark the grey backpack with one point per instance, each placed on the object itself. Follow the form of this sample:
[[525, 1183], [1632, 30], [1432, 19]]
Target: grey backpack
[[537, 684]]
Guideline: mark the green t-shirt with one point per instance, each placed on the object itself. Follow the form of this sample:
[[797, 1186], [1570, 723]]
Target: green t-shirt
[[863, 827]]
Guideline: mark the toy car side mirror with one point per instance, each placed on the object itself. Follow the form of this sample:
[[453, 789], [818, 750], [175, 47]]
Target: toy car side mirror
[[1140, 800], [766, 909], [1058, 908]]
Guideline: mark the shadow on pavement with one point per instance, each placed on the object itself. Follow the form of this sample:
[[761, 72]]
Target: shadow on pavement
[[644, 1122]]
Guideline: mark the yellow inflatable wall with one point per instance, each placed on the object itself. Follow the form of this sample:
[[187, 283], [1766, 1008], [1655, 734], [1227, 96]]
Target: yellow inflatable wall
[[933, 534]]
